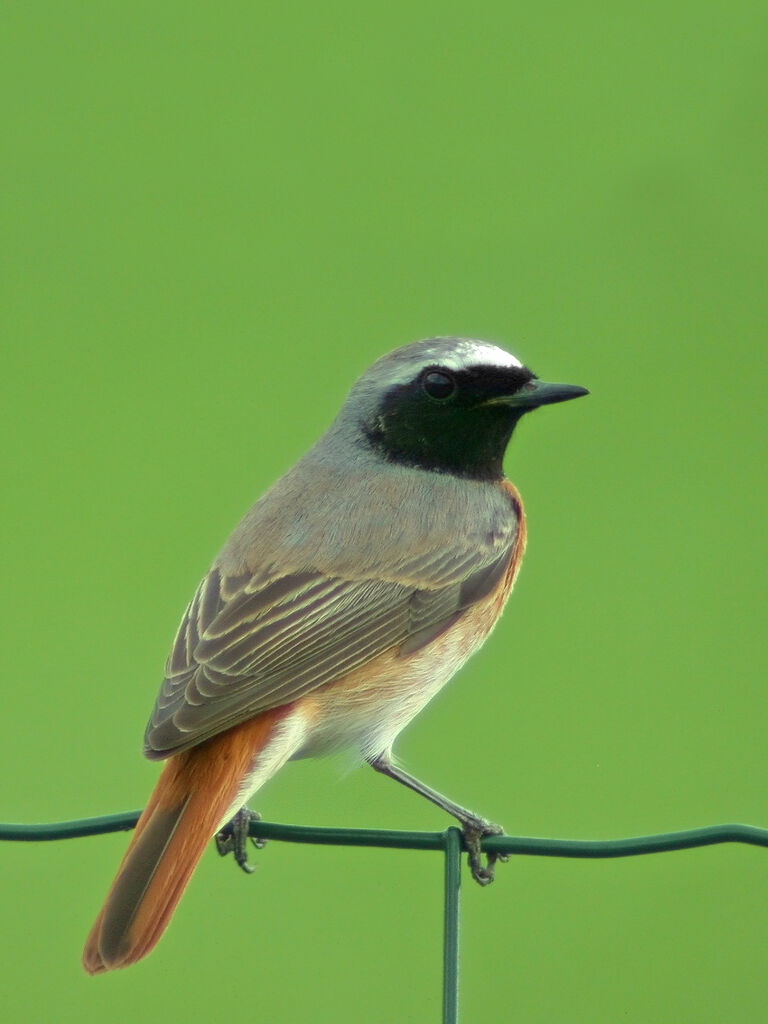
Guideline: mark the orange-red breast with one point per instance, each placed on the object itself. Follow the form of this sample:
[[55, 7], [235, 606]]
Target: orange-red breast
[[345, 599]]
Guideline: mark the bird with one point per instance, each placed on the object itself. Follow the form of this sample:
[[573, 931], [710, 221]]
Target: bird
[[344, 600]]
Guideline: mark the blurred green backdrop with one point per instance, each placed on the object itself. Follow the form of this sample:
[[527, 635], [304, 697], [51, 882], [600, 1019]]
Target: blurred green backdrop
[[213, 218]]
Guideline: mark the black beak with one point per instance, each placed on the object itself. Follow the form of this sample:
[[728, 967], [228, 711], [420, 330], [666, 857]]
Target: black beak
[[538, 392]]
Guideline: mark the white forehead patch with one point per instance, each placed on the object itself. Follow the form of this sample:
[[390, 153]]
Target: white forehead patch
[[468, 352], [457, 354]]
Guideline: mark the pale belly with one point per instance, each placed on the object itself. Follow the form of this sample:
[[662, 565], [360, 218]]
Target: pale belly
[[368, 708]]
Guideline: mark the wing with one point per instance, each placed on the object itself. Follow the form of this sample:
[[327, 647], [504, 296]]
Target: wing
[[253, 642]]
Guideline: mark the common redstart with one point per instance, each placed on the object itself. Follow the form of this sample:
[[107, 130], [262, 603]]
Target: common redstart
[[345, 599]]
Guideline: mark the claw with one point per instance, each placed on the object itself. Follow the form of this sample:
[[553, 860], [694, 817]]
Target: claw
[[474, 829], [232, 838]]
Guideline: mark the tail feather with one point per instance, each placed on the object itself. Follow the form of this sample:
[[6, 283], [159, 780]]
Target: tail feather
[[196, 790]]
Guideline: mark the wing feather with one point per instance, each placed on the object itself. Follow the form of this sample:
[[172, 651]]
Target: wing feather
[[251, 642]]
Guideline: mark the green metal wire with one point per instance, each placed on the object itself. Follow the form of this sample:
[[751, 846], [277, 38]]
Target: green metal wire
[[521, 845], [451, 842]]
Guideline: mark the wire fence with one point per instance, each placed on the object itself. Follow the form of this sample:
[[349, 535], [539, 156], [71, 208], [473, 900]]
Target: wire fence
[[450, 842]]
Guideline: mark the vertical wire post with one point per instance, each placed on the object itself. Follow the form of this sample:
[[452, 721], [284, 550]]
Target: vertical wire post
[[452, 841]]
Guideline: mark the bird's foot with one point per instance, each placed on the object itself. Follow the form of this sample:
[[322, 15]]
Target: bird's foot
[[233, 838], [474, 829]]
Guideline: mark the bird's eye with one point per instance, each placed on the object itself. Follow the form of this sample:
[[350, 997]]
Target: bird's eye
[[438, 384]]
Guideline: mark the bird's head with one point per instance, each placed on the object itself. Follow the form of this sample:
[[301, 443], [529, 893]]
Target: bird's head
[[448, 405]]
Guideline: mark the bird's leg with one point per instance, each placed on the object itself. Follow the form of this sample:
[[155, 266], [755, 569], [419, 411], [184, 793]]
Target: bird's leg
[[473, 826], [232, 838]]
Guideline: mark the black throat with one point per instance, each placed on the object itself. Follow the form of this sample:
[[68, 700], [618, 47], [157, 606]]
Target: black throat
[[466, 437]]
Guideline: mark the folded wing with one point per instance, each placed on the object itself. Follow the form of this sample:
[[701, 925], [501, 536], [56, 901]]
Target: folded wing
[[250, 643]]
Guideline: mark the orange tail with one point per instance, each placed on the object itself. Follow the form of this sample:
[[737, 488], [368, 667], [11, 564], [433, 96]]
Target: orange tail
[[196, 789]]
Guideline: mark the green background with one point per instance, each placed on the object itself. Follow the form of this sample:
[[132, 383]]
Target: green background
[[214, 217]]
